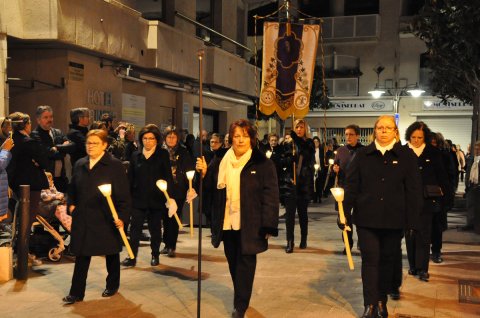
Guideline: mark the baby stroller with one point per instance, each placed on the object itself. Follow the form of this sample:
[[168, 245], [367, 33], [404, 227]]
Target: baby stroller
[[52, 212]]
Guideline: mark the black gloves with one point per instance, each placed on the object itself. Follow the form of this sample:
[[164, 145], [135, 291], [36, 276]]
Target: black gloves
[[340, 225]]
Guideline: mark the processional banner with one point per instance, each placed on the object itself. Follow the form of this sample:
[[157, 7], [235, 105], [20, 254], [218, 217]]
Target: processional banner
[[289, 55]]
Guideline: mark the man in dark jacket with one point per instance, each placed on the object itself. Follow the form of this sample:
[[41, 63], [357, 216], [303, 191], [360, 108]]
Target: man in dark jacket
[[473, 189], [80, 118], [55, 143]]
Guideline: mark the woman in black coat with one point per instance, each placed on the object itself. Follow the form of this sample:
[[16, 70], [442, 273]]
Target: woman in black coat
[[180, 162], [29, 161], [244, 209], [301, 186], [148, 165], [434, 182], [94, 232], [383, 183]]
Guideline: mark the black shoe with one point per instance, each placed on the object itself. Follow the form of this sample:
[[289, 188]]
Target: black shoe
[[282, 216], [395, 294], [238, 314], [303, 243], [144, 237], [412, 271], [129, 262], [423, 276], [382, 309], [109, 292], [437, 259], [171, 252], [155, 261], [70, 299], [164, 251], [289, 248], [466, 228], [370, 311]]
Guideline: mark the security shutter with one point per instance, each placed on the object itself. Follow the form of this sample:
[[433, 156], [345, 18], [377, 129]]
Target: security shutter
[[457, 129]]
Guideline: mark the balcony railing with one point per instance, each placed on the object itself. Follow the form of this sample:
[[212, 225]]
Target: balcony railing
[[352, 27]]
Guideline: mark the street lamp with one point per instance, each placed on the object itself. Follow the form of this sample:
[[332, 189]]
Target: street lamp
[[397, 92]]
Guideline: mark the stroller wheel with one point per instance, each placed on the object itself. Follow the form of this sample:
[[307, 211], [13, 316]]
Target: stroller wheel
[[53, 255]]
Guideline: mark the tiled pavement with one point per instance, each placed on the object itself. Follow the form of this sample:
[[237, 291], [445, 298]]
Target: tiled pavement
[[315, 282]]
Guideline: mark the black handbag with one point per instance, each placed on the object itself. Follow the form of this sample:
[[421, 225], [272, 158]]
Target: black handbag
[[432, 191]]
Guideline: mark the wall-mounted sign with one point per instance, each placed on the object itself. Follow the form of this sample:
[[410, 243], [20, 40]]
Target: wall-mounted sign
[[99, 98], [450, 104], [133, 109], [75, 71], [361, 105]]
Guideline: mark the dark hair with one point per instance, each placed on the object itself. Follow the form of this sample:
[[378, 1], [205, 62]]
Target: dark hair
[[19, 120], [76, 113], [419, 125], [189, 140], [245, 125], [270, 135], [170, 130], [98, 125], [354, 127], [41, 109], [150, 128], [100, 133], [316, 138], [106, 118]]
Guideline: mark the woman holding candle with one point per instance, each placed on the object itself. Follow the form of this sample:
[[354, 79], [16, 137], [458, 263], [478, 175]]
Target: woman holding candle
[[435, 184], [301, 162], [180, 162], [244, 209], [148, 165], [94, 232], [383, 183]]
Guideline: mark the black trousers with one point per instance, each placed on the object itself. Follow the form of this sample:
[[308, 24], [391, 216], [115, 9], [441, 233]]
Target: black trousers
[[437, 232], [317, 195], [418, 244], [379, 248], [296, 204], [154, 220], [242, 269], [80, 272], [170, 226]]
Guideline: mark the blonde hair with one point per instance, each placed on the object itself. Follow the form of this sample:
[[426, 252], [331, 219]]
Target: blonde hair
[[304, 122], [392, 119]]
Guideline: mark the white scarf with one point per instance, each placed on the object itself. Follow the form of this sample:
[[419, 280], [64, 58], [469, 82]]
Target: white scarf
[[229, 177], [383, 149], [474, 170], [148, 153], [417, 150]]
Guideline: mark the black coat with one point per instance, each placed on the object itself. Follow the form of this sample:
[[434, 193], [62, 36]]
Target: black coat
[[144, 173], [93, 230], [259, 202], [182, 162], [78, 135], [29, 160], [386, 190], [432, 170]]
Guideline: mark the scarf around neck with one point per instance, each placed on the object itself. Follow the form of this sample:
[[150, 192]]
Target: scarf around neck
[[148, 153], [382, 149], [417, 150]]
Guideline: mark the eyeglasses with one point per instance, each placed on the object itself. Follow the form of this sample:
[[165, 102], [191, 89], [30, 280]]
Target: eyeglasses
[[387, 128]]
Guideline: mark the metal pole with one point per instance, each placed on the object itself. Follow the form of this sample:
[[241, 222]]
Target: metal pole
[[23, 233], [200, 56]]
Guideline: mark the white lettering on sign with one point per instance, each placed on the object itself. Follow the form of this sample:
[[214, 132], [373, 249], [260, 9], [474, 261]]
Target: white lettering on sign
[[450, 104], [99, 98]]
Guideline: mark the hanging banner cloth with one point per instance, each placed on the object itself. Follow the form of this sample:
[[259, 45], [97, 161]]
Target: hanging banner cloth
[[289, 55]]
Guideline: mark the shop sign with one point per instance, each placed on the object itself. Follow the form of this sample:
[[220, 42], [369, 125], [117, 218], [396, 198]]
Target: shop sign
[[361, 105], [449, 104], [99, 98], [75, 71]]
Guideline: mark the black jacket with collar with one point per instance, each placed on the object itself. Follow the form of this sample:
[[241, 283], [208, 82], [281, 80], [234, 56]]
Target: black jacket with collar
[[259, 202], [386, 190], [144, 173], [93, 230], [56, 140]]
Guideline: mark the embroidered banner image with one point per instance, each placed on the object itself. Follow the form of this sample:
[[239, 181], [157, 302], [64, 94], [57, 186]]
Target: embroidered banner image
[[289, 55]]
